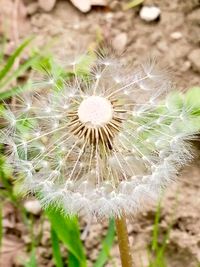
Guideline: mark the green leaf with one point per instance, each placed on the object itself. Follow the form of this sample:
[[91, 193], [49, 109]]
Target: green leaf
[[12, 58], [52, 70], [56, 249], [72, 260], [106, 246], [174, 101], [192, 99], [67, 230]]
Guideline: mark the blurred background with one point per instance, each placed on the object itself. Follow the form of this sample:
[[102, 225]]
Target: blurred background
[[169, 30]]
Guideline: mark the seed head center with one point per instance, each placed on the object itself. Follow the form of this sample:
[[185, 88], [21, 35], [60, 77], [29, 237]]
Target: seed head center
[[95, 110]]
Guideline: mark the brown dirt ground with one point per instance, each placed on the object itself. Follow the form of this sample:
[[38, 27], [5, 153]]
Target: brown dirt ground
[[71, 31]]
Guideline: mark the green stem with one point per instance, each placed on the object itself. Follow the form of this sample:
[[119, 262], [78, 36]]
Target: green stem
[[123, 242]]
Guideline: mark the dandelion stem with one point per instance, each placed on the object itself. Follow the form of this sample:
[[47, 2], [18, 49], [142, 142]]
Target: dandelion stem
[[123, 242]]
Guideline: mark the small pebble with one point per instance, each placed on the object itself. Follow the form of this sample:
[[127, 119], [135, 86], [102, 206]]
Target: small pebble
[[194, 16], [176, 35], [83, 6], [162, 46], [120, 41], [185, 66], [109, 16], [194, 58], [32, 8], [98, 2], [33, 206], [114, 4], [47, 5], [149, 13]]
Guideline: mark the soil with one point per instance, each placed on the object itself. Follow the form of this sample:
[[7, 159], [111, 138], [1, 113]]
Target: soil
[[172, 39]]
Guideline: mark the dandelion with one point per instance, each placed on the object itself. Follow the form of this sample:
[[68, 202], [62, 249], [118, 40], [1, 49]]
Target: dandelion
[[103, 144]]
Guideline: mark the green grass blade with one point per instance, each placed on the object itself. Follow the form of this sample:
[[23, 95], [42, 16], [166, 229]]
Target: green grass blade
[[159, 249], [106, 246], [3, 43], [56, 249], [154, 245], [72, 260], [1, 226], [12, 58], [32, 262], [133, 4], [5, 182], [14, 91], [23, 67], [160, 254], [67, 230]]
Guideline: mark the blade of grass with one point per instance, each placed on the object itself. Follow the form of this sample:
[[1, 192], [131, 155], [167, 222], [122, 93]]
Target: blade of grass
[[68, 232], [154, 244], [1, 226], [72, 260], [23, 67], [14, 91], [3, 43], [106, 246], [133, 4], [12, 58], [7, 192], [159, 249], [32, 262], [56, 249], [5, 182]]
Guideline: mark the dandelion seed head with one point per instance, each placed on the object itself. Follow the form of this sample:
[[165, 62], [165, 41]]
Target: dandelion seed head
[[95, 110], [101, 146]]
